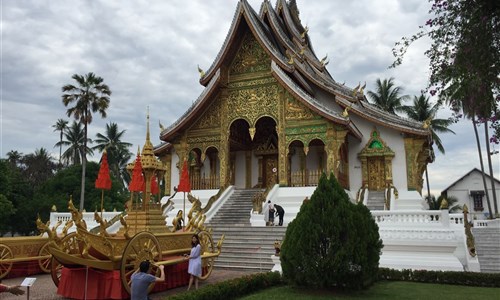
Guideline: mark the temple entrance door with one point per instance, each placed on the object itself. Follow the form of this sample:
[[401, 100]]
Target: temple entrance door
[[269, 176], [376, 173]]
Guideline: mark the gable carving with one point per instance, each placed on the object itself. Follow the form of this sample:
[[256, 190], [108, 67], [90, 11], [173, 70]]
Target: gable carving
[[211, 117], [297, 111], [250, 57]]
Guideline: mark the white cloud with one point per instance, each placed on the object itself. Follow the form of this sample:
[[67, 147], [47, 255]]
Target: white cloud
[[147, 52]]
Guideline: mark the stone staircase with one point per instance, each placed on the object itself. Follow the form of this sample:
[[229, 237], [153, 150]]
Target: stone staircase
[[376, 200], [244, 247], [487, 241]]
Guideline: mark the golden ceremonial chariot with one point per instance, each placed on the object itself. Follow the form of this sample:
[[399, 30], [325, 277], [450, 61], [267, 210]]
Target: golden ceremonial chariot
[[143, 235]]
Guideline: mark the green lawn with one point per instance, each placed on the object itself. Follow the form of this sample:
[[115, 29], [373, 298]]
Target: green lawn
[[386, 290]]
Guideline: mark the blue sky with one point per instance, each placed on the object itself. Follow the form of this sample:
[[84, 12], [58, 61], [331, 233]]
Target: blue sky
[[148, 52]]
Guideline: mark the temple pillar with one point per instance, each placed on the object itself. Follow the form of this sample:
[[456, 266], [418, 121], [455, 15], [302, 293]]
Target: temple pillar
[[414, 171], [167, 161], [282, 145], [335, 139], [248, 169], [224, 141]]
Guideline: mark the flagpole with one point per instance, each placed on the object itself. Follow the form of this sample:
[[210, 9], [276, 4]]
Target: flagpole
[[184, 213], [102, 201]]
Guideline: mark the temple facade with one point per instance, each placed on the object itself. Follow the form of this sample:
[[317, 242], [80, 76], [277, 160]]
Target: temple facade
[[271, 113]]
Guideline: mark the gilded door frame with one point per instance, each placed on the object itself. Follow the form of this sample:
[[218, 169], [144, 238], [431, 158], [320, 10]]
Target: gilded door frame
[[376, 148]]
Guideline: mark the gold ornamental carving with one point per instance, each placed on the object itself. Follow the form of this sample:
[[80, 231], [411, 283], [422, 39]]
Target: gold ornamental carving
[[297, 111], [417, 156], [250, 57], [211, 117], [252, 104]]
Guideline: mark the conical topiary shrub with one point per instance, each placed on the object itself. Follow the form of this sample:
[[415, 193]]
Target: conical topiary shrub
[[332, 242]]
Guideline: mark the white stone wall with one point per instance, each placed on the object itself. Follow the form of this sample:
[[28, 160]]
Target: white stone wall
[[393, 140]]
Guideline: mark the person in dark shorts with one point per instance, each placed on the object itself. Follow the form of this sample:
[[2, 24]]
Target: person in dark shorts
[[280, 212]]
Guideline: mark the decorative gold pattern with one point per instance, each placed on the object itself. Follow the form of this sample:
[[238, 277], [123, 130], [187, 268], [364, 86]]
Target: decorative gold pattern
[[253, 104], [297, 111], [211, 117], [417, 155], [250, 57], [376, 162]]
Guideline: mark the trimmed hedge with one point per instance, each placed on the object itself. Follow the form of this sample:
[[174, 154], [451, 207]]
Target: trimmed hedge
[[233, 288], [444, 277]]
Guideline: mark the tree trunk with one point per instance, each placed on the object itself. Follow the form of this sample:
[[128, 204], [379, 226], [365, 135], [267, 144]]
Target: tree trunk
[[482, 166], [84, 163], [493, 191], [427, 181], [60, 148]]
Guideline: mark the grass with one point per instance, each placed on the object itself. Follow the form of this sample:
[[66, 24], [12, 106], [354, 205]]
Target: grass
[[386, 290]]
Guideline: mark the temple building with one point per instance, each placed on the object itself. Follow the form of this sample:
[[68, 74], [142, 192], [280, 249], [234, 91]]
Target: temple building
[[271, 113]]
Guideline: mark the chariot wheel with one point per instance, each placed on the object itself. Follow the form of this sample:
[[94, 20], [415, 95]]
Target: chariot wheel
[[143, 246], [5, 267], [55, 271], [69, 244], [207, 246], [44, 263]]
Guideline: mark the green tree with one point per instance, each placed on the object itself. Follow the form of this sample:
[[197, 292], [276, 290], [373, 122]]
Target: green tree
[[464, 63], [60, 126], [387, 96], [6, 211], [14, 157], [332, 242], [65, 183], [74, 140], [424, 111], [38, 167], [91, 95], [117, 150]]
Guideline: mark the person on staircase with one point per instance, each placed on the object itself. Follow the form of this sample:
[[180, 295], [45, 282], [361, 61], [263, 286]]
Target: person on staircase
[[271, 212], [280, 212]]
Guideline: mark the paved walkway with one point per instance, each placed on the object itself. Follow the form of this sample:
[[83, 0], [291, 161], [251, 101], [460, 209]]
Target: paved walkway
[[44, 288]]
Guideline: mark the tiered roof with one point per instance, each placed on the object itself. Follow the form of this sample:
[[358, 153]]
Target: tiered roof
[[295, 65]]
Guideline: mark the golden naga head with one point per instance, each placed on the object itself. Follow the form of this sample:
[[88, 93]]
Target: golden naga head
[[277, 247]]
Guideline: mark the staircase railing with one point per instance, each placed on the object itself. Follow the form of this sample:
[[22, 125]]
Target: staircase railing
[[362, 195], [259, 199], [391, 195]]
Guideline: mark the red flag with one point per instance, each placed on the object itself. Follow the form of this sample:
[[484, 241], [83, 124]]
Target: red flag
[[103, 180], [154, 186], [137, 182], [184, 184]]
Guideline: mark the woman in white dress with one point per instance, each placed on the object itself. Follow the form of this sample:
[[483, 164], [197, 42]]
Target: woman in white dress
[[194, 268]]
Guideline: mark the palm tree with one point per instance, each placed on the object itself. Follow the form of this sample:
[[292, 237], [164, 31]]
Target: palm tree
[[14, 157], [74, 140], [90, 96], [388, 96], [423, 110], [60, 125], [460, 98], [38, 166], [117, 150]]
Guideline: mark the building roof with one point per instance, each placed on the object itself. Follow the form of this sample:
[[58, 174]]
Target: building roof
[[295, 65], [469, 173]]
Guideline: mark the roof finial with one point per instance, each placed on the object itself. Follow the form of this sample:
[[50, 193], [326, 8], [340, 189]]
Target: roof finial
[[200, 70], [362, 89], [303, 35], [355, 91], [324, 61]]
